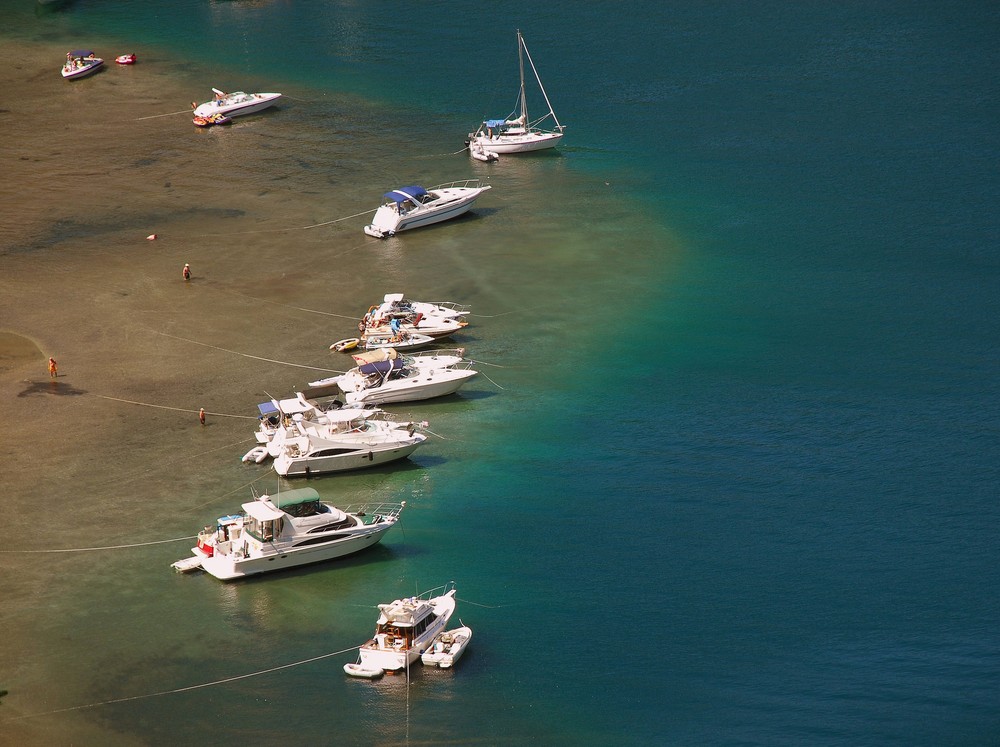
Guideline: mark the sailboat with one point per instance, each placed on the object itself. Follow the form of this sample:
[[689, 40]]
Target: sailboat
[[517, 134]]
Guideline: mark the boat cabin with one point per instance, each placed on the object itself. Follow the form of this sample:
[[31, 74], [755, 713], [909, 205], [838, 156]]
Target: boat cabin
[[403, 621], [404, 199], [494, 127]]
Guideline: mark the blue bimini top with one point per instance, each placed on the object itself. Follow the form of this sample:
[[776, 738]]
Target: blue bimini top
[[405, 193]]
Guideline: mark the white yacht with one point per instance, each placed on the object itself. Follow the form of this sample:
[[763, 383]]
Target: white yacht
[[346, 439], [414, 207], [236, 104], [278, 413], [286, 530], [405, 629]]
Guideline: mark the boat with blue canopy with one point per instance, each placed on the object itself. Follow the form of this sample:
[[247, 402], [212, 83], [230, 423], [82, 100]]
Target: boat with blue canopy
[[516, 133], [413, 207]]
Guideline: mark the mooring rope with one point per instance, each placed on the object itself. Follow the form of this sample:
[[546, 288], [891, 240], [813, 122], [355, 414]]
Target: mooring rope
[[171, 114], [247, 355], [491, 381], [353, 317], [105, 547], [185, 689], [291, 228], [176, 409]]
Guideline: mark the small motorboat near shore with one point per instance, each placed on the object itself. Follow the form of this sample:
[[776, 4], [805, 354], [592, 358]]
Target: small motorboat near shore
[[389, 381], [447, 648], [405, 629], [81, 63], [286, 530], [397, 306], [236, 104], [400, 340], [414, 207], [212, 119]]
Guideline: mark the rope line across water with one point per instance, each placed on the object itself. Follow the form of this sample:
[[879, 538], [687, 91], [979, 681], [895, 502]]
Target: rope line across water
[[185, 689]]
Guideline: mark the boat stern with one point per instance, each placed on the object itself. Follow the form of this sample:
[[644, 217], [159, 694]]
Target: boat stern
[[385, 222]]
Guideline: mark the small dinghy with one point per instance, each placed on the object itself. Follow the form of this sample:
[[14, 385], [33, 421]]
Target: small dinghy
[[356, 670], [342, 346], [480, 153], [186, 565], [257, 454], [126, 59]]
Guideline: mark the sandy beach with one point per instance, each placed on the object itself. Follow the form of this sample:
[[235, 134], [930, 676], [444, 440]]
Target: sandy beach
[[111, 450]]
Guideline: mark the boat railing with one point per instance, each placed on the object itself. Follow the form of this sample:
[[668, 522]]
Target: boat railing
[[461, 184], [458, 308], [388, 510], [418, 354]]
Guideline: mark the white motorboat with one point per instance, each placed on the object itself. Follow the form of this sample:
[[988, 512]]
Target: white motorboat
[[405, 629], [397, 306], [277, 414], [414, 207], [286, 530], [80, 63], [347, 439], [517, 134], [431, 326], [235, 104], [397, 313], [439, 358], [385, 382], [426, 359], [447, 648], [400, 339]]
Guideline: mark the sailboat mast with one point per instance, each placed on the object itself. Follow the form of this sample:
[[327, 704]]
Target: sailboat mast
[[520, 63]]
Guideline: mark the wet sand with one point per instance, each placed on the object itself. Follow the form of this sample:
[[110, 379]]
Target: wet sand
[[86, 181]]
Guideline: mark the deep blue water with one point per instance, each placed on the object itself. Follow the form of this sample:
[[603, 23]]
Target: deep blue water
[[754, 501]]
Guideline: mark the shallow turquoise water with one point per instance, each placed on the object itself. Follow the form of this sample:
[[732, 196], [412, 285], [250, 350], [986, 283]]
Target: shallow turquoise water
[[742, 486]]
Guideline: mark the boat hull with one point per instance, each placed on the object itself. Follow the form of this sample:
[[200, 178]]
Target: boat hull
[[519, 143], [227, 568]]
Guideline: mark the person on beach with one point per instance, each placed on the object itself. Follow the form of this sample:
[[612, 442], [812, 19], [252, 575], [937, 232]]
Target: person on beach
[[187, 272], [53, 368]]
